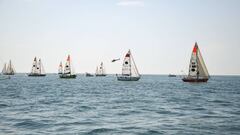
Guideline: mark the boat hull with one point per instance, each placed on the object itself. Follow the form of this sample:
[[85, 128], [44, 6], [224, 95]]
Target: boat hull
[[102, 75], [8, 74], [36, 75], [67, 76], [127, 78], [195, 80]]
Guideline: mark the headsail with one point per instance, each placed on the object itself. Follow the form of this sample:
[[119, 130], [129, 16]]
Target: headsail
[[40, 67], [35, 66], [67, 69]]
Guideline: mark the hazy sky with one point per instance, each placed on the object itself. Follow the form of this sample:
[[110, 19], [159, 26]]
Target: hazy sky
[[160, 33]]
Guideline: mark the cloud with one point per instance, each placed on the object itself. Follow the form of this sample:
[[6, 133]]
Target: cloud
[[133, 3]]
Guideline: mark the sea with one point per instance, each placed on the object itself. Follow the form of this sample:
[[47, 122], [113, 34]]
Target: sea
[[154, 105]]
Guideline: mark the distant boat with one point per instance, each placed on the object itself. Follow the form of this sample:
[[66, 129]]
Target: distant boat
[[60, 68], [100, 71], [172, 75], [89, 75], [197, 69], [129, 69], [68, 71], [8, 70], [37, 68]]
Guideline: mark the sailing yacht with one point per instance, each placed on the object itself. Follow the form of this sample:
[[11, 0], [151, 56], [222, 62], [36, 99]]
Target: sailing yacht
[[197, 69], [37, 68], [68, 71], [129, 69], [101, 70], [8, 69]]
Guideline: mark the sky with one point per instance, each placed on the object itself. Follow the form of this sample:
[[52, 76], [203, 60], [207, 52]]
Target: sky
[[160, 34]]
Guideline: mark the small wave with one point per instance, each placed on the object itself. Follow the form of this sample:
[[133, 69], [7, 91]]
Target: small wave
[[29, 124], [3, 105], [152, 132], [99, 131]]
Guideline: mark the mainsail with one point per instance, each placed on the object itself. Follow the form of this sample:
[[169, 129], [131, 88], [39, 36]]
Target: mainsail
[[68, 69], [197, 67], [60, 68], [34, 66], [129, 67], [4, 70]]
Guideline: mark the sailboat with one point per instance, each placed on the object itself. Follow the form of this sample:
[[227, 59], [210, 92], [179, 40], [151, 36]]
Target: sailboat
[[129, 69], [197, 69], [37, 68], [68, 71], [101, 70], [8, 70], [60, 68]]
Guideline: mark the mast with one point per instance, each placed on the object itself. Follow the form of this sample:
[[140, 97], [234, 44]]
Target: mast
[[130, 63], [68, 59], [197, 59], [40, 66]]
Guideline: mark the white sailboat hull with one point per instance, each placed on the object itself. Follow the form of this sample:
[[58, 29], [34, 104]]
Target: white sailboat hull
[[128, 78]]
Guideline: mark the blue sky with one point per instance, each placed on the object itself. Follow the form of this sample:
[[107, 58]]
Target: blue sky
[[160, 33]]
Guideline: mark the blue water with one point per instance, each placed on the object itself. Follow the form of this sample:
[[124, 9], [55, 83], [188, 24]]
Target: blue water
[[88, 106]]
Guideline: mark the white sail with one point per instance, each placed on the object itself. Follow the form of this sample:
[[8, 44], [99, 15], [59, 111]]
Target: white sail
[[129, 67], [203, 72], [197, 67], [97, 71], [67, 68], [34, 69], [60, 68], [4, 70], [10, 68], [100, 70], [40, 67]]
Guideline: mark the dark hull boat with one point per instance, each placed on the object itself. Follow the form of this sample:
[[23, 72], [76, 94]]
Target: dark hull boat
[[171, 75], [197, 69], [67, 76], [100, 75], [89, 75], [195, 80], [36, 75], [128, 78], [129, 69]]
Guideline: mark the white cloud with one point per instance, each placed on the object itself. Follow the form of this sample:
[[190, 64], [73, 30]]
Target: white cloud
[[135, 3]]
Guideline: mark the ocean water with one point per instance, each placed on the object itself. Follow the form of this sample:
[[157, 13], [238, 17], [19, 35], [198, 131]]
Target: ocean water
[[104, 106]]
